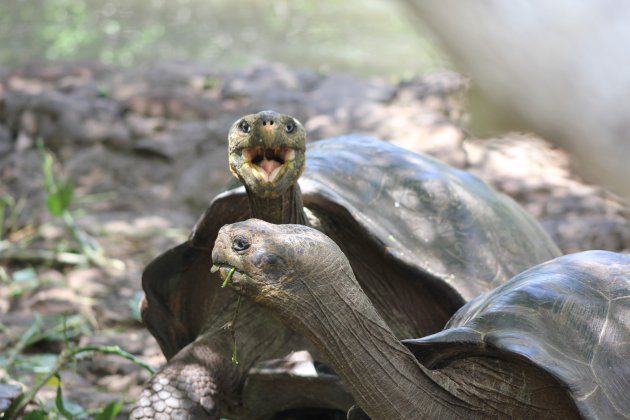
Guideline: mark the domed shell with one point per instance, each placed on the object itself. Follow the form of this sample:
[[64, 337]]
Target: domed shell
[[444, 221], [416, 218], [569, 316], [431, 217]]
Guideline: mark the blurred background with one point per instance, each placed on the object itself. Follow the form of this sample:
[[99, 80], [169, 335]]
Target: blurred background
[[553, 69], [370, 37]]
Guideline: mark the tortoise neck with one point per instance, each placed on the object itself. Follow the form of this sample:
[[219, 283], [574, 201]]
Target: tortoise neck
[[285, 209], [383, 376]]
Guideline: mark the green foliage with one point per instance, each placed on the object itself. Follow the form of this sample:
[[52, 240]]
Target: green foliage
[[364, 36], [104, 92], [59, 191], [6, 202], [110, 411], [234, 358], [71, 29], [59, 403], [36, 415], [49, 366], [10, 209], [228, 277], [210, 82], [144, 39], [59, 201]]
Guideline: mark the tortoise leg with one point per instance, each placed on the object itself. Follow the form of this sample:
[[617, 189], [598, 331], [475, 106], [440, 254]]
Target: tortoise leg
[[190, 386], [178, 393]]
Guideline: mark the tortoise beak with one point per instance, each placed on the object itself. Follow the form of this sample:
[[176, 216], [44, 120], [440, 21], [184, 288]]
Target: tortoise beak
[[220, 249], [268, 163]]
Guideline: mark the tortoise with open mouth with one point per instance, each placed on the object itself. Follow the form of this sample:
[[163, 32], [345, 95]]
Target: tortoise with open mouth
[[423, 238]]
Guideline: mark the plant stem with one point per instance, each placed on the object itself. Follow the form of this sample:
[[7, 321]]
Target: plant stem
[[120, 352], [64, 358], [24, 340], [227, 278], [233, 322], [16, 408]]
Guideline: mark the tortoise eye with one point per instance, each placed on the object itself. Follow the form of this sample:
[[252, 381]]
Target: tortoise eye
[[289, 127], [245, 127], [240, 244]]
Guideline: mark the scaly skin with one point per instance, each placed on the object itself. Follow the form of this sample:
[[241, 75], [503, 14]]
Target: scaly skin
[[184, 305], [200, 381], [254, 141], [304, 278]]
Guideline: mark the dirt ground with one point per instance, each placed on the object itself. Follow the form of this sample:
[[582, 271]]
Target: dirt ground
[[146, 150]]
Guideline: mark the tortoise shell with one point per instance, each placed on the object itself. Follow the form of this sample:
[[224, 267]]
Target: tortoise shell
[[426, 214], [397, 215], [569, 316]]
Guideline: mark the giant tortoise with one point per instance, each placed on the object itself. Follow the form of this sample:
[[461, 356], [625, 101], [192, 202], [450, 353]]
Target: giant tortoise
[[422, 237], [552, 342]]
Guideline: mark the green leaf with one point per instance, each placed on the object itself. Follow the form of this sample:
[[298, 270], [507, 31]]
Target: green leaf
[[110, 412], [59, 201], [47, 166], [54, 205], [49, 177], [103, 92], [54, 381], [35, 415], [60, 405], [210, 82]]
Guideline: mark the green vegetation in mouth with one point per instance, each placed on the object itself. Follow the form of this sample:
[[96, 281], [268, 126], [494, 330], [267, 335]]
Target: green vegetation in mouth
[[227, 279], [233, 322], [230, 325]]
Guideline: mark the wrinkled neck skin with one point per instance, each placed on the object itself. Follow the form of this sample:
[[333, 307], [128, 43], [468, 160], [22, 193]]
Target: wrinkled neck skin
[[287, 208], [383, 376]]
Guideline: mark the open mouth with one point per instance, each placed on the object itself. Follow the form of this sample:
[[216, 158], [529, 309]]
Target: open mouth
[[268, 163]]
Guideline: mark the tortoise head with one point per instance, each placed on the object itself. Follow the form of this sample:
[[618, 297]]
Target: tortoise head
[[266, 152], [277, 264]]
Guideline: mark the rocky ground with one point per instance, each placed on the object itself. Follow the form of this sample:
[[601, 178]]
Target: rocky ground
[[146, 150]]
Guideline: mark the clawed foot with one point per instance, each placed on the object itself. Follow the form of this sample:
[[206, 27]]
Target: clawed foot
[[187, 395]]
